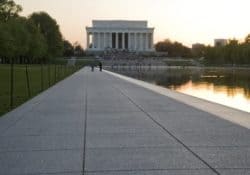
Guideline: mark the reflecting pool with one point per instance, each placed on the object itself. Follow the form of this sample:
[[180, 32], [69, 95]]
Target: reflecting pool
[[229, 87]]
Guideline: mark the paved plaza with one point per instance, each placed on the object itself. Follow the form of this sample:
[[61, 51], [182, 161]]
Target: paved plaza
[[94, 123]]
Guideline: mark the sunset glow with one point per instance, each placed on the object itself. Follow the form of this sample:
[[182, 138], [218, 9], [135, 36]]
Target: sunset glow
[[233, 97], [185, 21]]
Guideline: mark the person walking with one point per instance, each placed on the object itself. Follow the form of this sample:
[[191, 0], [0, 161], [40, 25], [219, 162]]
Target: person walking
[[100, 66], [92, 67]]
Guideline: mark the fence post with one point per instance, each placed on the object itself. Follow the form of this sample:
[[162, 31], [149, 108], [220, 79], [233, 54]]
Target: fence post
[[41, 76], [61, 67], [67, 70], [49, 74], [55, 72], [11, 82], [27, 79], [65, 73], [58, 72]]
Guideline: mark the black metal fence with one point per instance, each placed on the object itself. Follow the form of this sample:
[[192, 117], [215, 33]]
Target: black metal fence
[[20, 82]]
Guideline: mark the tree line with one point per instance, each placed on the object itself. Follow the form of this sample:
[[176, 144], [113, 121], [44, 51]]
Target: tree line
[[34, 38], [233, 53], [174, 49]]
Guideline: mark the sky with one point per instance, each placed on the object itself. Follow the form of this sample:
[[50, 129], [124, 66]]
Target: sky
[[186, 21]]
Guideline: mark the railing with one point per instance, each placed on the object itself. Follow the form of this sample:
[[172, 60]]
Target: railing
[[20, 82]]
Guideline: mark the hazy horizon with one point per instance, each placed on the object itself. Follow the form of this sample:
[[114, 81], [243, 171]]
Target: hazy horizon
[[193, 21]]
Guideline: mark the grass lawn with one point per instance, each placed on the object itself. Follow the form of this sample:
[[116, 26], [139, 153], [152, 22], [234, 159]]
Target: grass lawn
[[51, 75]]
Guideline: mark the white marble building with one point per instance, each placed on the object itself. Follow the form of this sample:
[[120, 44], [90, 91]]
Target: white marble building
[[121, 35], [220, 42]]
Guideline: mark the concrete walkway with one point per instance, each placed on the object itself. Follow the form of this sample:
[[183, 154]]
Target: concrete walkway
[[94, 123]]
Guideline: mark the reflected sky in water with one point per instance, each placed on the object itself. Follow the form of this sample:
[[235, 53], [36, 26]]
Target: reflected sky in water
[[232, 97], [224, 86]]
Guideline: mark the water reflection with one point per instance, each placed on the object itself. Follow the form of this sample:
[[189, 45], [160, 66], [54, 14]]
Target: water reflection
[[223, 86]]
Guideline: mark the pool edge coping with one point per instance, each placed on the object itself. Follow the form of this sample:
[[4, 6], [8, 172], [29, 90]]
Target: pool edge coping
[[235, 116]]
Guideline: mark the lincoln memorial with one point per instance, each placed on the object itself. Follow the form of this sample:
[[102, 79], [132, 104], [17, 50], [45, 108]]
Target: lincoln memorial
[[120, 35]]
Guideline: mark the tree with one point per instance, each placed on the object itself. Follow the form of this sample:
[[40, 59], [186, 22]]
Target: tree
[[9, 9], [14, 38], [78, 50], [247, 39], [20, 35], [174, 49], [163, 46], [20, 38], [68, 48], [6, 41], [234, 53], [37, 46], [37, 37], [231, 50], [51, 32], [198, 50]]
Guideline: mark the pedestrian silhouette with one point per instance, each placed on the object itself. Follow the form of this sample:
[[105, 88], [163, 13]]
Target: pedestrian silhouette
[[100, 66], [92, 67]]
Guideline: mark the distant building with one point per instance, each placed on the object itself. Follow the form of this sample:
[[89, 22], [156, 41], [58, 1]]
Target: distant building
[[220, 42], [198, 49], [120, 35]]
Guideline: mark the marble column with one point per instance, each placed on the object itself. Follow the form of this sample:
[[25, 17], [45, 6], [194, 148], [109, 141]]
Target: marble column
[[104, 40], [107, 40], [88, 40], [93, 42], [141, 41], [98, 40], [116, 42], [129, 41], [123, 40], [110, 40], [152, 41], [135, 41], [147, 42]]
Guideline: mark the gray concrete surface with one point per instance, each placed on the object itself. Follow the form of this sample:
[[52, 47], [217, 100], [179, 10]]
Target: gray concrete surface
[[94, 123]]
